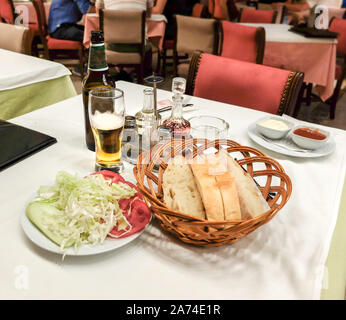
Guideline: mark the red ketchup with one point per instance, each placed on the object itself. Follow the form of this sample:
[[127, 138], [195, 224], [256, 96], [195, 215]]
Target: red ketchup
[[310, 133]]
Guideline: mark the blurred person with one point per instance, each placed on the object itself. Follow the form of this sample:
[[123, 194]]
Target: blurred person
[[169, 8], [63, 18], [141, 5]]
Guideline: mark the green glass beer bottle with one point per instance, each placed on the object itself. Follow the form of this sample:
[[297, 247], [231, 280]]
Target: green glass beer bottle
[[97, 77]]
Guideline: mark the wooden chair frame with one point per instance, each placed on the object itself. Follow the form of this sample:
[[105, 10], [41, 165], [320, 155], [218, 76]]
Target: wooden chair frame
[[288, 98]]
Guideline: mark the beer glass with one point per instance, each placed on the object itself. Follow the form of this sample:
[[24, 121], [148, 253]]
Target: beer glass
[[107, 117]]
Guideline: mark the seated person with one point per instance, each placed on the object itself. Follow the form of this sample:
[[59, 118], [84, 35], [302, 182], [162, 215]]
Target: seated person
[[142, 5], [169, 8], [63, 18]]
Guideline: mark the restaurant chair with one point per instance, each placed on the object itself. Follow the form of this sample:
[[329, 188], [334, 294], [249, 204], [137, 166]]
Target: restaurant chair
[[336, 25], [15, 38], [57, 49], [245, 43], [257, 16], [243, 83], [7, 11], [193, 34], [199, 10], [125, 28], [224, 10]]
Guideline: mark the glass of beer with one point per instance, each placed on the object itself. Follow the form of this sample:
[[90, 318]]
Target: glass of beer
[[107, 117]]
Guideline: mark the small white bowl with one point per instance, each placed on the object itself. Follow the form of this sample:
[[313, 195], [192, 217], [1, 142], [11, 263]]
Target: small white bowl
[[309, 143], [272, 133]]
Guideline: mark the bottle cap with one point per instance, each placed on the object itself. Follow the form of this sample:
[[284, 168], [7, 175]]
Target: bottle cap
[[96, 37]]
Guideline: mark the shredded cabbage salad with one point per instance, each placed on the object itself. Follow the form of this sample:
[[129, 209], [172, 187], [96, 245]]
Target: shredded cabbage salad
[[88, 206]]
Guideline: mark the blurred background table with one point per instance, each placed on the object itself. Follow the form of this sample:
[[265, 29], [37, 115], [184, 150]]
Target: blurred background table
[[316, 57], [28, 83], [156, 25]]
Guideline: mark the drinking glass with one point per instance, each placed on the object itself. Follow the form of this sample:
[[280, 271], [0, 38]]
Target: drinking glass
[[209, 127], [107, 117]]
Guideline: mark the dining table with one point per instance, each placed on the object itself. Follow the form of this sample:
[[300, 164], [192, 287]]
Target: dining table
[[316, 57], [28, 83], [299, 254]]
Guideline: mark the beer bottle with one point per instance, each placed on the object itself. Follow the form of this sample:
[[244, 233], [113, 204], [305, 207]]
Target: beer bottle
[[97, 77]]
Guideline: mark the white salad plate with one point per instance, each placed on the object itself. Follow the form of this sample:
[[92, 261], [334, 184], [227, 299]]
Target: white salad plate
[[287, 147], [38, 238]]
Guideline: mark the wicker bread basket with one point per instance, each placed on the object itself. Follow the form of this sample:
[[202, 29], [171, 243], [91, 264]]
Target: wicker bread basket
[[276, 188]]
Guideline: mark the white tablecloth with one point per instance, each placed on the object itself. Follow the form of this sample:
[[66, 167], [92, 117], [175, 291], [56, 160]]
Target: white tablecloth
[[283, 259], [279, 33], [18, 70]]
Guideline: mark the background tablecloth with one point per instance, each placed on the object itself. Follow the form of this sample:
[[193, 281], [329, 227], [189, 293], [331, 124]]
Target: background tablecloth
[[18, 70], [18, 101], [315, 57]]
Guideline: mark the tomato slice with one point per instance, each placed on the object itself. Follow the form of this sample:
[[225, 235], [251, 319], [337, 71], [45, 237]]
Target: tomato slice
[[134, 209]]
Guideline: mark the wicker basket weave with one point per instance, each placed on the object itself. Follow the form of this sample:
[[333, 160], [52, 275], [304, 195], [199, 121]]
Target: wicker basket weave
[[276, 189]]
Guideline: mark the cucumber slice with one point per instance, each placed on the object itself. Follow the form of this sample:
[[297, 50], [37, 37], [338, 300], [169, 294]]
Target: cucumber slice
[[41, 213]]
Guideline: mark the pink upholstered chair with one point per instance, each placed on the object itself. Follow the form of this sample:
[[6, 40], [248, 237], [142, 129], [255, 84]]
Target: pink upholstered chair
[[241, 42], [257, 16], [244, 84], [199, 10], [7, 14], [223, 9], [57, 48]]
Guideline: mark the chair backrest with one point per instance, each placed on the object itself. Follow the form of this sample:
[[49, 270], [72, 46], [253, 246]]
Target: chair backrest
[[41, 14], [243, 83], [211, 7], [123, 26], [7, 14], [257, 16], [232, 9], [15, 38], [196, 34], [339, 26], [242, 42], [199, 10]]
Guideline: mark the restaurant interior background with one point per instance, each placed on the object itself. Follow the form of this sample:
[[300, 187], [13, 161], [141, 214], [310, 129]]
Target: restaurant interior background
[[169, 62]]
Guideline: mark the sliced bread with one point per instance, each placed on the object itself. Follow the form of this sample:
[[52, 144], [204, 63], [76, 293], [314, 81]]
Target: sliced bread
[[180, 190]]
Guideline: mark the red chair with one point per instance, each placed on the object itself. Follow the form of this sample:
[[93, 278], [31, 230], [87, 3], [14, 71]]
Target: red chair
[[199, 10], [243, 83], [242, 42], [257, 16], [7, 11], [223, 9], [57, 48]]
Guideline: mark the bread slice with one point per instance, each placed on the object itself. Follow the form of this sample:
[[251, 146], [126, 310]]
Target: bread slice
[[179, 189], [208, 189], [251, 200], [226, 184], [229, 194]]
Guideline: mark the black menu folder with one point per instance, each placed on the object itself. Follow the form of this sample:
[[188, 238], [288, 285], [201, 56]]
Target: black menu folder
[[18, 143]]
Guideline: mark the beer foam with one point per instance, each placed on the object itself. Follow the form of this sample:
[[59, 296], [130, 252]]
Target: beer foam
[[106, 121]]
